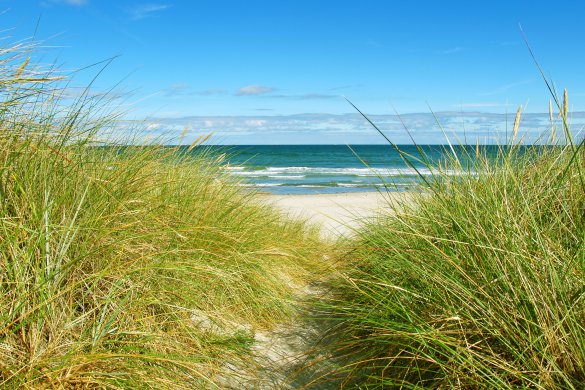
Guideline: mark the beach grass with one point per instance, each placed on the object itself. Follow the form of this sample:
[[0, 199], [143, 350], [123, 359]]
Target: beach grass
[[127, 266], [477, 282], [130, 264]]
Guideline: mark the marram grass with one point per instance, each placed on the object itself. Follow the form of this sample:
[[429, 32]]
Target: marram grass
[[477, 283], [143, 267], [127, 267]]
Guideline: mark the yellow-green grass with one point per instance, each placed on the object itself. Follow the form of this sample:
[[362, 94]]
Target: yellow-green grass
[[127, 267], [479, 282]]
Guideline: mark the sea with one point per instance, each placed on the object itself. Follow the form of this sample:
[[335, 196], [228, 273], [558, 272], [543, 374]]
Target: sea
[[330, 169]]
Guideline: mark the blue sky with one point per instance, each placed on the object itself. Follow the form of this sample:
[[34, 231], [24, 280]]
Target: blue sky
[[274, 71]]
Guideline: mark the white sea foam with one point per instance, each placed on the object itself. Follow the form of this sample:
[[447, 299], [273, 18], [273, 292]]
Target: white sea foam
[[260, 184], [287, 176], [300, 172]]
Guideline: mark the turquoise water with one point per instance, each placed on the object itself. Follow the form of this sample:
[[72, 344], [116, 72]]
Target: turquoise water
[[314, 169]]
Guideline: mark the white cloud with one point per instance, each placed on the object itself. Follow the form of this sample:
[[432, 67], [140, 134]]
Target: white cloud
[[49, 3], [253, 90], [153, 126], [143, 11], [261, 90], [211, 92], [185, 89], [473, 126], [178, 89]]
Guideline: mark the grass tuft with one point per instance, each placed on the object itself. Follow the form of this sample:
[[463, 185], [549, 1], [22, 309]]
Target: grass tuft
[[127, 266], [476, 283]]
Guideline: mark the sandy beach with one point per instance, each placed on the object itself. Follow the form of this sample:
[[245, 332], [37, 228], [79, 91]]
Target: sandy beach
[[338, 214]]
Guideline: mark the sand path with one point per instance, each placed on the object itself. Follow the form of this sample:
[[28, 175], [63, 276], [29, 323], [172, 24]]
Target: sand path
[[280, 355]]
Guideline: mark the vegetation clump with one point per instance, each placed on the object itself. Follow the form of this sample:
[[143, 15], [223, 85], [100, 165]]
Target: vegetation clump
[[476, 283], [126, 266]]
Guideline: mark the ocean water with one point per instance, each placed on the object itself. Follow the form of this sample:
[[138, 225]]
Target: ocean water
[[325, 169]]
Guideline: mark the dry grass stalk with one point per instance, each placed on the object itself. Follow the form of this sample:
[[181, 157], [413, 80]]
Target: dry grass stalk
[[565, 104], [516, 123], [552, 121]]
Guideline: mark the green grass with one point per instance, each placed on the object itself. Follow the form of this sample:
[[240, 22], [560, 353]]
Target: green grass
[[144, 267], [479, 282], [127, 267]]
